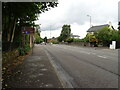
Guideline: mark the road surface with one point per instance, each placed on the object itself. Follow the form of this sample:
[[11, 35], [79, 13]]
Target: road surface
[[85, 67]]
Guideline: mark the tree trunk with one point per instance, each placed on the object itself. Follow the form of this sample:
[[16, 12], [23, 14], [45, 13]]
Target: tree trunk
[[9, 29], [12, 37]]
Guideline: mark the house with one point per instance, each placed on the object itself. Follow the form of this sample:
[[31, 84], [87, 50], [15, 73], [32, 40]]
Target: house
[[92, 39], [75, 36], [96, 28]]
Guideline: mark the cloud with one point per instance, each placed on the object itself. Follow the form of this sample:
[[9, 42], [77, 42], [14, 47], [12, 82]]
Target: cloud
[[74, 12]]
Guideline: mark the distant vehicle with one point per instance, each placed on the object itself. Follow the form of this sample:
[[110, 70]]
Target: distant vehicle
[[43, 43]]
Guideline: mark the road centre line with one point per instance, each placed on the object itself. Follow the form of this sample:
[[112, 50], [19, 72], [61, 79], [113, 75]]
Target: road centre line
[[101, 56], [84, 52], [87, 52], [93, 53]]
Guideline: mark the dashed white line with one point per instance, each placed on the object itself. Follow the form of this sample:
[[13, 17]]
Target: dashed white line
[[93, 53], [84, 52], [101, 56]]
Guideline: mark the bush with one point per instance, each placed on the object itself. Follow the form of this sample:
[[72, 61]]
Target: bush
[[78, 40], [55, 42], [24, 50], [21, 51], [69, 40]]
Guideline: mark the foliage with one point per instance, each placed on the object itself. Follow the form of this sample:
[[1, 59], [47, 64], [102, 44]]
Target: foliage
[[27, 36], [119, 26], [86, 39], [115, 35], [20, 14], [21, 51], [38, 39], [24, 50], [78, 40], [65, 33], [90, 38], [107, 34], [104, 34], [45, 39], [118, 39], [59, 38], [55, 42], [69, 40]]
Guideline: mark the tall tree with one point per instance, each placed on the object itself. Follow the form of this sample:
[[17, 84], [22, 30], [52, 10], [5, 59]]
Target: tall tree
[[38, 39], [65, 33], [19, 14]]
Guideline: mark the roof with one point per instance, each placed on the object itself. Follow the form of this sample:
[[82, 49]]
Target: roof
[[95, 28], [75, 36]]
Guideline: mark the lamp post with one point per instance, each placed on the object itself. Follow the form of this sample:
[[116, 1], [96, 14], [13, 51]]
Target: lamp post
[[50, 31], [90, 27], [39, 28], [90, 19]]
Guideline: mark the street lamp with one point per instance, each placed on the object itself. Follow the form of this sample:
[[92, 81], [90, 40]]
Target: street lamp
[[90, 19], [39, 27], [50, 31], [90, 25]]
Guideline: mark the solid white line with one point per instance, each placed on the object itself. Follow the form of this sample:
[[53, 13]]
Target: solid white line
[[64, 78]]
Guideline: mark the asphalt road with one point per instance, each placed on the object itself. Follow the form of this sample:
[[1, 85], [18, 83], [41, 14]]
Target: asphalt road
[[86, 67]]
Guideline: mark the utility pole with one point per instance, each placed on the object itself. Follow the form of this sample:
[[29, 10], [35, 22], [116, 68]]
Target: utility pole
[[50, 31], [90, 20], [90, 26]]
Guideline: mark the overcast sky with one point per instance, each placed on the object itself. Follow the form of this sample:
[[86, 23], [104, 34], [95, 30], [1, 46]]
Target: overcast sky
[[74, 12]]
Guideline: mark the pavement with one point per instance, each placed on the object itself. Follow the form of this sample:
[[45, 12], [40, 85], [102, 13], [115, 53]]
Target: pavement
[[35, 72]]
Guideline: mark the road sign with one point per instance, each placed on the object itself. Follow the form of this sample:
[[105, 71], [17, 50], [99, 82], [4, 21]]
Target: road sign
[[28, 30]]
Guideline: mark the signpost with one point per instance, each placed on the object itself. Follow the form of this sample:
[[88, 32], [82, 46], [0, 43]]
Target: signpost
[[30, 31]]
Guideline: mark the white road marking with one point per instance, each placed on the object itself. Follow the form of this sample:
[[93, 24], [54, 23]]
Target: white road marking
[[93, 53], [84, 52], [101, 56]]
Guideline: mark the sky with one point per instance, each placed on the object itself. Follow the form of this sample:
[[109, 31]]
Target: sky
[[74, 13]]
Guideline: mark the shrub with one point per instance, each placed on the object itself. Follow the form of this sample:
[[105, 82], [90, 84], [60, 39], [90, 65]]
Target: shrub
[[24, 50], [78, 40], [21, 51], [69, 40], [55, 42]]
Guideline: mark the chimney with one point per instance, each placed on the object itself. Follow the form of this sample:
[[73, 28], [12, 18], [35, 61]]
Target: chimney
[[110, 23]]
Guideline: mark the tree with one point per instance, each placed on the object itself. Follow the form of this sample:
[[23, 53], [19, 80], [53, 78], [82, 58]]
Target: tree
[[20, 14], [38, 39], [45, 39], [65, 33], [106, 35], [69, 40]]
